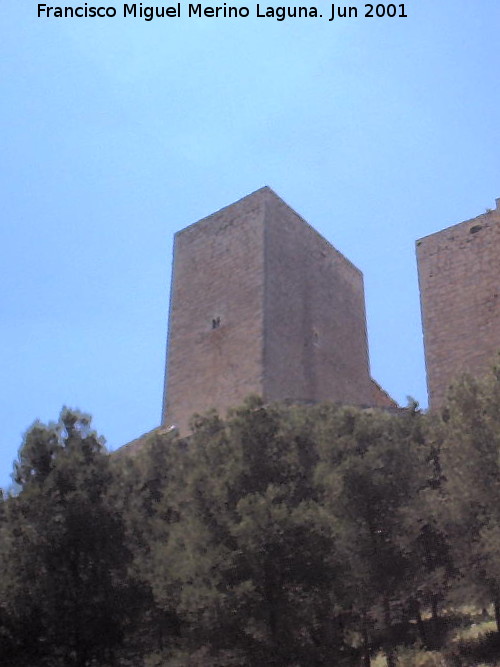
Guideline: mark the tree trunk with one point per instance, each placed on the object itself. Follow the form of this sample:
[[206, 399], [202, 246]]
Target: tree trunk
[[160, 619], [420, 623], [390, 653], [272, 616], [496, 604], [81, 658], [366, 641], [434, 606], [435, 621]]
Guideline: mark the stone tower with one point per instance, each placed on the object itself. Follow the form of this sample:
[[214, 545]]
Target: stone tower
[[459, 276], [261, 303]]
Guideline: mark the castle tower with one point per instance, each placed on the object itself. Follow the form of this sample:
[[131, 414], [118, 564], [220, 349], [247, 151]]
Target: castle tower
[[459, 276], [261, 303]]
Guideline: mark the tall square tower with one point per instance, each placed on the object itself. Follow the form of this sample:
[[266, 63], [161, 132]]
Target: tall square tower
[[261, 303], [459, 276]]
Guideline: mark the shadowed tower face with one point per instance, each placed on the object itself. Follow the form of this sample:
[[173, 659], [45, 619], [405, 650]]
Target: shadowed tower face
[[459, 276], [261, 303]]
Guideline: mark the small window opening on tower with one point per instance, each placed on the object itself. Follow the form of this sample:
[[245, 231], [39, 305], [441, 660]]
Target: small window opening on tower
[[216, 322], [315, 338]]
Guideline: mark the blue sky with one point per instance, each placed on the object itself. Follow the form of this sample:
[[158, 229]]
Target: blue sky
[[115, 133]]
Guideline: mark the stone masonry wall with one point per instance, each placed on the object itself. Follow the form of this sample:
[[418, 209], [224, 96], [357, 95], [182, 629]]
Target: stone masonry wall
[[314, 321], [459, 276], [216, 320]]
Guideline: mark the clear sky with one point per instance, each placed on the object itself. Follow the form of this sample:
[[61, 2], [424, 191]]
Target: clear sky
[[117, 132]]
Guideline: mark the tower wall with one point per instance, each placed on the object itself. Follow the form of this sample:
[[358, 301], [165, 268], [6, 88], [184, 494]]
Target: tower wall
[[459, 276], [215, 341], [315, 345]]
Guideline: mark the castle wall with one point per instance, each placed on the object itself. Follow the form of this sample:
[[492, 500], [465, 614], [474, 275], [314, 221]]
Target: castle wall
[[459, 276], [314, 315], [215, 342]]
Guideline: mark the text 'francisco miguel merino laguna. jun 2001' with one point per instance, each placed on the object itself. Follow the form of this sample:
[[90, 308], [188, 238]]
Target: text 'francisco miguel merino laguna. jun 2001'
[[329, 12]]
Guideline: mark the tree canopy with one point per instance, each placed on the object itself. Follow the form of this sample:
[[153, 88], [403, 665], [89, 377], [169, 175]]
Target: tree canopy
[[279, 535]]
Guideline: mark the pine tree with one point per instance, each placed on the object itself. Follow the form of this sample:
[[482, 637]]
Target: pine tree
[[63, 555], [471, 468]]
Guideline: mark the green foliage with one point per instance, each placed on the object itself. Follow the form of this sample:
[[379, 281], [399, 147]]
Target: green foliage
[[248, 554], [470, 456], [281, 536], [62, 550]]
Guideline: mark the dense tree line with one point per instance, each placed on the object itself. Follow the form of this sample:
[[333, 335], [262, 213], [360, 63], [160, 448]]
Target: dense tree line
[[280, 536]]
